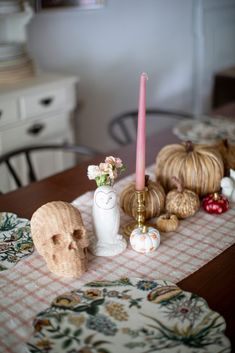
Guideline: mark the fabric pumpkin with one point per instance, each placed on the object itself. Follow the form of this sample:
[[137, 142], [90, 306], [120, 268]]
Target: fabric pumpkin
[[215, 203], [199, 167], [154, 199], [145, 239], [182, 202], [167, 223]]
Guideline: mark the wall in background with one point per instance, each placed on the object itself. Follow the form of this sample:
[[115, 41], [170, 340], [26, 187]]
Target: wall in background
[[109, 48]]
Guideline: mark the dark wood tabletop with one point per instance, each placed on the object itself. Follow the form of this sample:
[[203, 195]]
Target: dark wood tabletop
[[227, 110], [215, 281]]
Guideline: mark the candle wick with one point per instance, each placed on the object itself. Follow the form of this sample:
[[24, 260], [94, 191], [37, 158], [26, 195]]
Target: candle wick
[[145, 75]]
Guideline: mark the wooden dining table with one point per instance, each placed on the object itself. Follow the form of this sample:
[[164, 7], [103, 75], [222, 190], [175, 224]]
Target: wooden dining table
[[215, 281]]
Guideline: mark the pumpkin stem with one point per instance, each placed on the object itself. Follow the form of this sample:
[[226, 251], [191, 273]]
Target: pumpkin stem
[[189, 146], [216, 196], [225, 143], [177, 183], [144, 229], [167, 216], [146, 182]]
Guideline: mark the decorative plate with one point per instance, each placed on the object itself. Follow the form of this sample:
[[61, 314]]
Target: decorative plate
[[129, 315], [15, 239], [205, 130]]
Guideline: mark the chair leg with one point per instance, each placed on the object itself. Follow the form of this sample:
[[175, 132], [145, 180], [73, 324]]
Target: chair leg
[[13, 173], [32, 176]]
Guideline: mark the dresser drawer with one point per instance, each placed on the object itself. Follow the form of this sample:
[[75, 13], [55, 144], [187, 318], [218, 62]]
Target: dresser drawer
[[8, 112], [43, 102], [37, 131]]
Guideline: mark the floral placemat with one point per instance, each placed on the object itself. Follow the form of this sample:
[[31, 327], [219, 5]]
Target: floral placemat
[[15, 239], [129, 315], [206, 130]]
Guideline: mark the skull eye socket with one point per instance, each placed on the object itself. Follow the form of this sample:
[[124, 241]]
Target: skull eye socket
[[56, 239], [78, 234]]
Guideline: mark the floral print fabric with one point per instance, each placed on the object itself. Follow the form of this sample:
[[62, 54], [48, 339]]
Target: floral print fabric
[[15, 239], [128, 315]]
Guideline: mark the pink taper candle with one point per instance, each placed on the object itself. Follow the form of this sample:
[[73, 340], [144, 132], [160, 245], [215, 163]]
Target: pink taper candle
[[141, 138]]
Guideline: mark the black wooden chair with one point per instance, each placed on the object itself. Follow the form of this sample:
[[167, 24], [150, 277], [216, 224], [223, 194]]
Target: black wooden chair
[[123, 128], [27, 152]]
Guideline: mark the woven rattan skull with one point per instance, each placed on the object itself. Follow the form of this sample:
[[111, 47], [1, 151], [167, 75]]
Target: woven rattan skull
[[60, 237]]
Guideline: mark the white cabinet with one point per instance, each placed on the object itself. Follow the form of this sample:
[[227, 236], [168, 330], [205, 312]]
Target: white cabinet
[[36, 111]]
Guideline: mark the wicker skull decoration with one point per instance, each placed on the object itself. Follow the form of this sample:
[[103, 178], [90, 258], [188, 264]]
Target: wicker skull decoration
[[60, 237]]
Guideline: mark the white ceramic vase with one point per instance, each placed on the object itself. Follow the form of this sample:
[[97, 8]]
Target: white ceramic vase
[[106, 221]]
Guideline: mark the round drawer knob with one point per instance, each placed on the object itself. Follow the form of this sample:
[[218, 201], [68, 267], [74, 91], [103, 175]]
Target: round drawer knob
[[46, 101], [36, 129]]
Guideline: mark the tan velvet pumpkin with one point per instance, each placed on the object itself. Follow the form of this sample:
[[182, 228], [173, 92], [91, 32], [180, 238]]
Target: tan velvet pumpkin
[[182, 202], [154, 199], [167, 223], [199, 167]]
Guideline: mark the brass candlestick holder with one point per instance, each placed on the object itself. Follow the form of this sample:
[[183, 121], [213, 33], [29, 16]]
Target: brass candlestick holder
[[140, 211], [140, 214]]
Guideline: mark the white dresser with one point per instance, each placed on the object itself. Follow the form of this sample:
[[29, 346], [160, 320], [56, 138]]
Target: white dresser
[[36, 111]]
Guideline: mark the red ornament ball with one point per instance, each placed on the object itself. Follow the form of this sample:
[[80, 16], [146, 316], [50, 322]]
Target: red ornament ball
[[215, 203]]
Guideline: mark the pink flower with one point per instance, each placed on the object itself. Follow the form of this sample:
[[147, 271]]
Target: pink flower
[[116, 162], [110, 160], [105, 168], [105, 173]]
